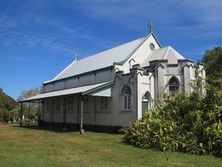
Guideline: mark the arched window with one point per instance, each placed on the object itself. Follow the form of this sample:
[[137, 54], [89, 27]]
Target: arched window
[[126, 92], [174, 85]]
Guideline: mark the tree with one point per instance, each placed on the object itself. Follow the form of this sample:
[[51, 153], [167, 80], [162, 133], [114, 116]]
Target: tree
[[30, 110], [29, 93], [212, 61], [8, 107]]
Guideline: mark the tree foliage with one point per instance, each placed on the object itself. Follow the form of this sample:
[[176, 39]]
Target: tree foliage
[[8, 107], [29, 93], [212, 61], [30, 110]]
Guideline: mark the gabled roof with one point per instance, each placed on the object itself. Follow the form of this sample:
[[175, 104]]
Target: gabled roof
[[136, 48], [100, 60], [165, 53]]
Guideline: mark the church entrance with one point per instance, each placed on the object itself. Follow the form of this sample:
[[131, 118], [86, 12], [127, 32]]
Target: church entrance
[[144, 106], [146, 102]]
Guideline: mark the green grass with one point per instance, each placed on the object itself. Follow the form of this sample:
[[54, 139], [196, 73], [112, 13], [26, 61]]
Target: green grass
[[35, 147]]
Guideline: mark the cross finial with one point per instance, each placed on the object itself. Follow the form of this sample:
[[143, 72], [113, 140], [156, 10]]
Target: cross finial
[[75, 56], [151, 27]]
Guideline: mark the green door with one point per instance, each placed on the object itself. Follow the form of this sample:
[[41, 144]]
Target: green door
[[144, 106]]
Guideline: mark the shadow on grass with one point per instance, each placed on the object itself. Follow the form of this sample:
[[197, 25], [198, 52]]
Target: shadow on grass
[[50, 129], [35, 126]]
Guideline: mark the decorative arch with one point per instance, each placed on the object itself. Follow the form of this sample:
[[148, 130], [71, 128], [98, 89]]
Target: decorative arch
[[147, 96], [126, 94], [173, 85], [126, 90]]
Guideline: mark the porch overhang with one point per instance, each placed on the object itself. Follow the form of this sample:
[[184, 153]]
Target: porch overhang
[[100, 89], [102, 93]]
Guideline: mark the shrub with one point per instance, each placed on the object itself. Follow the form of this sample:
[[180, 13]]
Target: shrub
[[187, 124]]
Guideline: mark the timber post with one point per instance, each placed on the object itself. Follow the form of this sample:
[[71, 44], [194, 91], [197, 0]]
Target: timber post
[[29, 115], [64, 128], [21, 111], [81, 116]]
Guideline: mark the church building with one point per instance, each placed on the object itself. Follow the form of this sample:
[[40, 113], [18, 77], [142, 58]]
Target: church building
[[115, 87]]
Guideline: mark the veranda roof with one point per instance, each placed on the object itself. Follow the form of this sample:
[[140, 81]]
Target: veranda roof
[[100, 89], [104, 93]]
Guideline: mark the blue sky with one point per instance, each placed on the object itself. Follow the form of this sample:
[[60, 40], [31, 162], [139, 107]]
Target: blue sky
[[38, 38]]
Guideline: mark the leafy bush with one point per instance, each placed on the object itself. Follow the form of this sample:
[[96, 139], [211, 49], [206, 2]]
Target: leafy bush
[[188, 124]]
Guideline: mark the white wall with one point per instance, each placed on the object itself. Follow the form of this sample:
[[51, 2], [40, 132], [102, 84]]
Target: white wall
[[143, 87], [103, 76], [59, 85], [71, 82], [72, 116], [103, 119], [93, 116], [48, 87], [87, 79]]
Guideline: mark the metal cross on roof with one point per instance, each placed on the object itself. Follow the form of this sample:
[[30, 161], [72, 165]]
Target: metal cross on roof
[[151, 27]]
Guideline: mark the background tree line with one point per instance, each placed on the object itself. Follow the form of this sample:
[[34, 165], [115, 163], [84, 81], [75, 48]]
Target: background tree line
[[10, 108], [30, 110]]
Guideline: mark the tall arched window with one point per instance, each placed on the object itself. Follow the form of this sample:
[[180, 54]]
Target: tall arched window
[[126, 92], [174, 85]]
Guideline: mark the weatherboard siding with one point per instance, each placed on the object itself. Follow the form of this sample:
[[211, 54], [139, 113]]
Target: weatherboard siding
[[77, 81]]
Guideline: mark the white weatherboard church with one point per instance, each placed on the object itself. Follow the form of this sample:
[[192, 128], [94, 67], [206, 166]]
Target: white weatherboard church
[[115, 87]]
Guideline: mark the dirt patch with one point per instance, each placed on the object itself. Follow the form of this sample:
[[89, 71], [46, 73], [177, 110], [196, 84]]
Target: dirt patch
[[2, 124]]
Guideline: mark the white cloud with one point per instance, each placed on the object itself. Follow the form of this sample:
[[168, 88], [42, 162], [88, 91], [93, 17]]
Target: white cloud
[[29, 27], [197, 15]]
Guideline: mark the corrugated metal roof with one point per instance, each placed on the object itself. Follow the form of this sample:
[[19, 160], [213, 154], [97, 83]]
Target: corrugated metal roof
[[99, 60], [103, 93], [165, 53], [76, 90]]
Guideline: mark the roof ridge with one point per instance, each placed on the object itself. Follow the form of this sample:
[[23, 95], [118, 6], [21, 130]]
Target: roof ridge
[[136, 48], [117, 46], [64, 69], [174, 52], [112, 53], [166, 52]]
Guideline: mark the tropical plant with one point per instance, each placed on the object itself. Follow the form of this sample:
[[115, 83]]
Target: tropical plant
[[187, 124]]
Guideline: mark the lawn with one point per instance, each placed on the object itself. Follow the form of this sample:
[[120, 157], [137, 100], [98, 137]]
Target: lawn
[[35, 147]]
